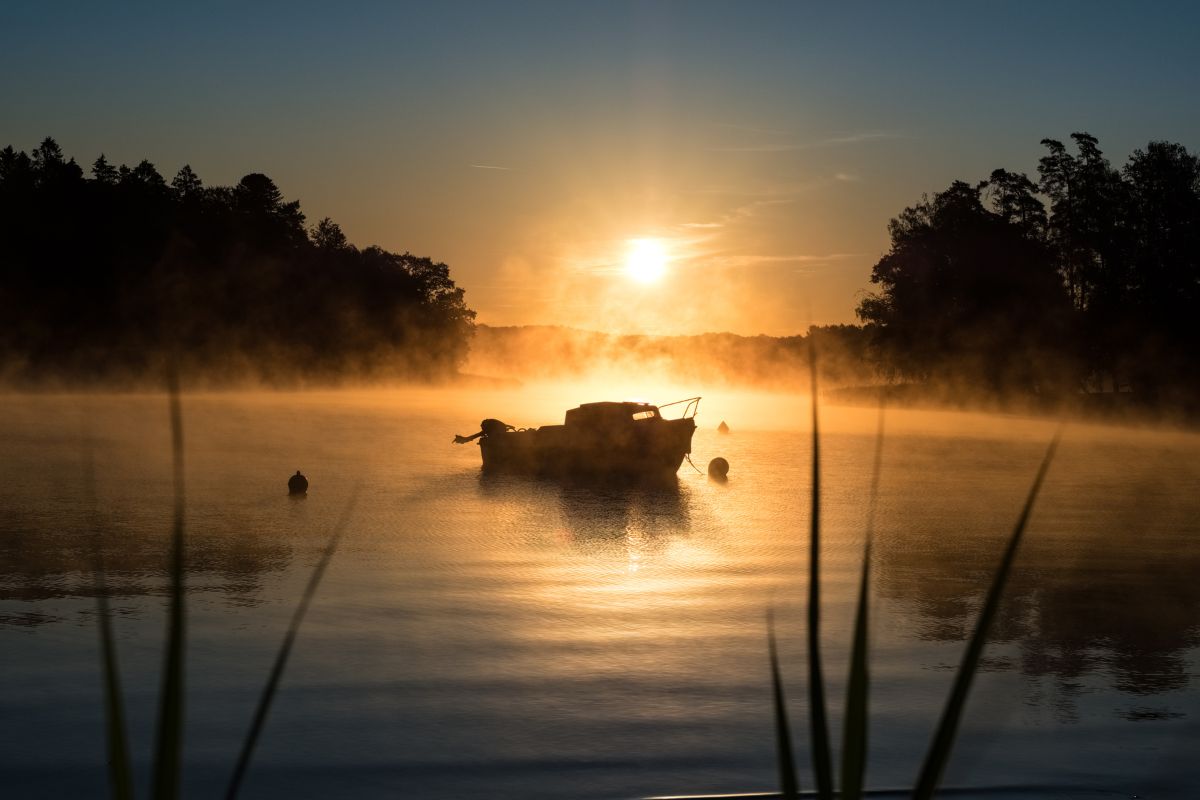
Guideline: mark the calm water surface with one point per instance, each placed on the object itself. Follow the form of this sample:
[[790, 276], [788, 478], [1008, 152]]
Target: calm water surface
[[518, 638]]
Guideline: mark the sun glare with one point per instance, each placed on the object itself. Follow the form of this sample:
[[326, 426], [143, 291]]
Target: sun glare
[[646, 261]]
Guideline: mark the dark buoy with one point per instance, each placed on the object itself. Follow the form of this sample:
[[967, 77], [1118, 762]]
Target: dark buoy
[[718, 469], [298, 484], [722, 428]]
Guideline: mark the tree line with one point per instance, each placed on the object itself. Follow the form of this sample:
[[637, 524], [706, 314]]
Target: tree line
[[104, 276], [1087, 279]]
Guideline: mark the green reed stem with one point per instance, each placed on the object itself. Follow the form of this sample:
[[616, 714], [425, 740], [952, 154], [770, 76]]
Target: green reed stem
[[855, 727], [268, 694], [789, 785], [120, 772], [822, 762], [169, 750], [943, 740]]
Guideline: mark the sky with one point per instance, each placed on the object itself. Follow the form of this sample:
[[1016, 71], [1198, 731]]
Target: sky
[[532, 147]]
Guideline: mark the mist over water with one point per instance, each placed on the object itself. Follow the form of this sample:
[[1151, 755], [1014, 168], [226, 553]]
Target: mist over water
[[501, 636]]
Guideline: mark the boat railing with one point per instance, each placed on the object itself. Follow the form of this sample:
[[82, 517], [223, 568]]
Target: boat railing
[[690, 410]]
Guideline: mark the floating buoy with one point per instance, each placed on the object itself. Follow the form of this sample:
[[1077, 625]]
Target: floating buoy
[[297, 484], [718, 469], [722, 428]]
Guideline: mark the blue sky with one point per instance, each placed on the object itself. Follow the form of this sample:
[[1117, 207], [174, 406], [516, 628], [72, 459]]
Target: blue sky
[[767, 144]]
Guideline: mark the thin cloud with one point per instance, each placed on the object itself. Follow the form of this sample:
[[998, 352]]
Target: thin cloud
[[749, 129], [807, 260], [846, 177], [863, 136], [489, 166], [597, 267], [832, 141], [761, 148], [741, 212], [781, 193]]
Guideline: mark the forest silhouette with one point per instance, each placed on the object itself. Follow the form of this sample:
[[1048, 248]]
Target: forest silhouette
[[1083, 283], [102, 278], [984, 287]]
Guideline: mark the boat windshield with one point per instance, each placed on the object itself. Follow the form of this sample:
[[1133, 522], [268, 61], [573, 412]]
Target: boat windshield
[[690, 406], [647, 414]]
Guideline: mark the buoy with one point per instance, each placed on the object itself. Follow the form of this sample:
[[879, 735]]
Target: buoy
[[298, 484], [722, 428], [718, 469]]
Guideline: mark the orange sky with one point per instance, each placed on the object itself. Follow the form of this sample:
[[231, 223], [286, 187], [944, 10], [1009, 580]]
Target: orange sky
[[767, 144]]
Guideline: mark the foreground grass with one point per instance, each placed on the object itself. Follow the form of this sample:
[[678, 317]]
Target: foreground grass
[[168, 756], [856, 721], [120, 773]]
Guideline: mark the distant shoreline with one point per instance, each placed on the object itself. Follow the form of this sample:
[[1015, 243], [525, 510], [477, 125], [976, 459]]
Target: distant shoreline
[[1121, 408], [1110, 407]]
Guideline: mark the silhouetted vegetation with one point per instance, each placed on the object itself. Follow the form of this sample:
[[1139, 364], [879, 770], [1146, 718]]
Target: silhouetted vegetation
[[100, 276], [985, 287]]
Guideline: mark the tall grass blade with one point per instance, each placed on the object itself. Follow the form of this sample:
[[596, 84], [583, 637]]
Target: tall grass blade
[[855, 727], [169, 748], [822, 762], [789, 785], [120, 773], [943, 739], [268, 694]]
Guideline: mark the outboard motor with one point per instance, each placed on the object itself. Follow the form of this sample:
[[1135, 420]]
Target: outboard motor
[[493, 427], [489, 427]]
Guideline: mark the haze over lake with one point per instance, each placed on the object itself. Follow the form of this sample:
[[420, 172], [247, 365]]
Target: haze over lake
[[481, 636], [334, 342]]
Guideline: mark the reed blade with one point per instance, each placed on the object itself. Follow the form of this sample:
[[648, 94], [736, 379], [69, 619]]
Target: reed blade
[[943, 739], [822, 761], [285, 649], [120, 772], [169, 747], [789, 784], [855, 727]]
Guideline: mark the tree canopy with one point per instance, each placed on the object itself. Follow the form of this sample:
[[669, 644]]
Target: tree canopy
[[103, 276], [982, 285]]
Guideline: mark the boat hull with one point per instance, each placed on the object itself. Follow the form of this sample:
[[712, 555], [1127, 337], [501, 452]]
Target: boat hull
[[651, 448]]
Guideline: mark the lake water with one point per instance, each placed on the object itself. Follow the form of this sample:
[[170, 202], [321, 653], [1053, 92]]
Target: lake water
[[510, 637]]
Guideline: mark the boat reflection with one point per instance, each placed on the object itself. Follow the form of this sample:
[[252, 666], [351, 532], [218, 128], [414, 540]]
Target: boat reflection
[[636, 518], [646, 518]]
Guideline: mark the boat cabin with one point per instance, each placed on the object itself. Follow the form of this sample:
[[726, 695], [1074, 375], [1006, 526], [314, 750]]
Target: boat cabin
[[604, 415]]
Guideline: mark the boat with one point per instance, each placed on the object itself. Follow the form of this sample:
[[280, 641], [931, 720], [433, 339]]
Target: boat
[[605, 439]]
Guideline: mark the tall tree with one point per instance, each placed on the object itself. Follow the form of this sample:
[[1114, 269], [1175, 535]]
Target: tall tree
[[327, 236], [967, 296], [1014, 197], [269, 221], [147, 175], [1086, 205], [186, 183], [1089, 232], [47, 156], [103, 172], [1163, 352]]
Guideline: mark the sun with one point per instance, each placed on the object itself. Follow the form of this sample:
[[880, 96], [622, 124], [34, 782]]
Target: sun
[[646, 261]]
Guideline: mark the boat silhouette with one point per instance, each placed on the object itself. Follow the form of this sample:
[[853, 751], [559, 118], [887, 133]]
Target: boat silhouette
[[606, 439]]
